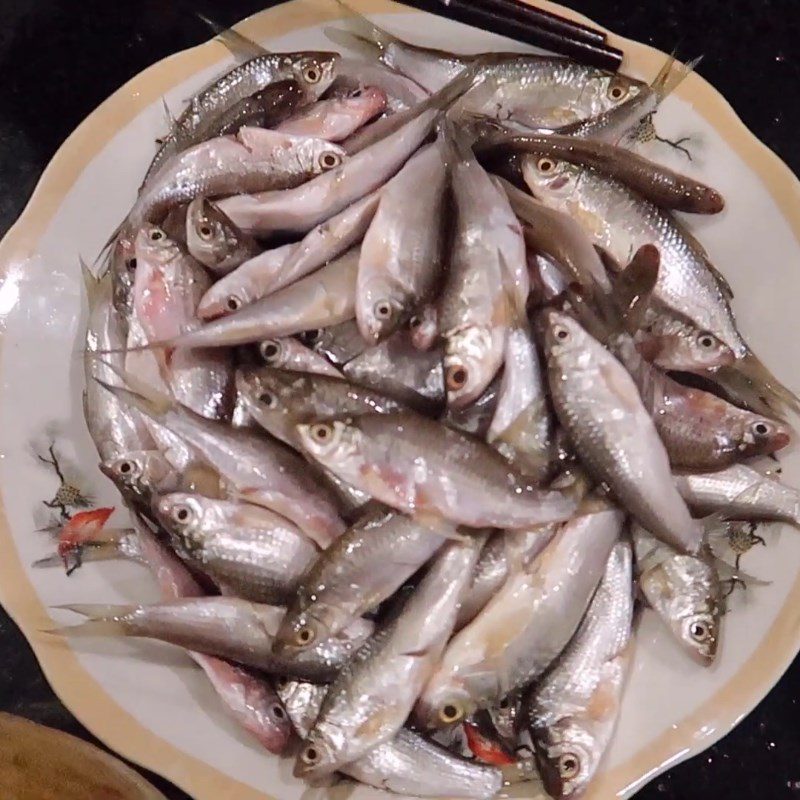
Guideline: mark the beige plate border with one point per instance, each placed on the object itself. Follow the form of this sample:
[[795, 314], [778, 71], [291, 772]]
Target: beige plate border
[[73, 684]]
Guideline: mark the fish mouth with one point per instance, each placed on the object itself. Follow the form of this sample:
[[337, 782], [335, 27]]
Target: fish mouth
[[753, 384]]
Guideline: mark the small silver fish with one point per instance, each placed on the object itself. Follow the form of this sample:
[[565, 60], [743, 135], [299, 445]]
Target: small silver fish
[[372, 697], [225, 627], [525, 626], [684, 591], [573, 712], [361, 569], [599, 405], [402, 251], [408, 764], [336, 118], [421, 467], [313, 71], [214, 240], [248, 550], [741, 492]]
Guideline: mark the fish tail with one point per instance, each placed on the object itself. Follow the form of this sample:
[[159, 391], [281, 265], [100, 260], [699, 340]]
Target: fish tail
[[361, 33], [103, 620], [750, 382], [671, 75], [97, 286], [139, 394], [240, 46]]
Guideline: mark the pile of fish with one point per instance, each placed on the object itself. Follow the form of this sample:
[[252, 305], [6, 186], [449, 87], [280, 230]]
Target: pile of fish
[[416, 386]]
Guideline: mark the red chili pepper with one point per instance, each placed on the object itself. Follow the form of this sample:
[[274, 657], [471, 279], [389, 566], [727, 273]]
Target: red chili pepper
[[484, 748]]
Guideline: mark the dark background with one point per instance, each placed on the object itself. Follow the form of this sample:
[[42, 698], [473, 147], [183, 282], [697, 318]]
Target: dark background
[[60, 58]]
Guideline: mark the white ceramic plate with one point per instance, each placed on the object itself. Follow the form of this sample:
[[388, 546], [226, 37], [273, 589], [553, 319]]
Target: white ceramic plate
[[149, 702]]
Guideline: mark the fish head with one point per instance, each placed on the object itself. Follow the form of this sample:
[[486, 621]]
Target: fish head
[[269, 395], [380, 308], [685, 349], [471, 359], [315, 71], [685, 593], [298, 632], [154, 245], [443, 704], [317, 756], [137, 474], [567, 755], [761, 436], [210, 234], [365, 103], [563, 335], [336, 444], [226, 297], [550, 178], [612, 90], [122, 266], [182, 515]]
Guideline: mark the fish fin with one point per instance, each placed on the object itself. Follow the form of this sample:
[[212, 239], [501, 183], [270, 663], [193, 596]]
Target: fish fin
[[103, 620], [240, 46], [750, 383], [729, 572], [140, 395], [370, 37], [352, 41], [96, 285], [634, 286], [671, 75], [439, 526], [168, 114]]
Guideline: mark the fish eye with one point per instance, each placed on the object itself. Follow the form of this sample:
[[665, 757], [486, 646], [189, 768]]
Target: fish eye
[[270, 350], [569, 765], [312, 75], [321, 433], [205, 231], [268, 399], [181, 514], [126, 468], [545, 165], [278, 712], [706, 340], [131, 264], [305, 636], [310, 755], [311, 337], [233, 303], [761, 428], [156, 235], [330, 160], [383, 309], [617, 91], [699, 631], [450, 713], [456, 377], [561, 333]]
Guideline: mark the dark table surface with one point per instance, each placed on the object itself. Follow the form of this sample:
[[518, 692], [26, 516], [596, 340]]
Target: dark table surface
[[60, 58]]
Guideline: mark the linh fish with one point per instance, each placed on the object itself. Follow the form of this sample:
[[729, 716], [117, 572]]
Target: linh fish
[[525, 626], [597, 402], [421, 467], [573, 711], [214, 240], [401, 253], [408, 764], [224, 627], [247, 550], [371, 698], [684, 591], [262, 472], [362, 568]]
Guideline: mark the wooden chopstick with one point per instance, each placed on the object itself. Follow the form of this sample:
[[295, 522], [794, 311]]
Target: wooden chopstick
[[593, 53], [525, 13]]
